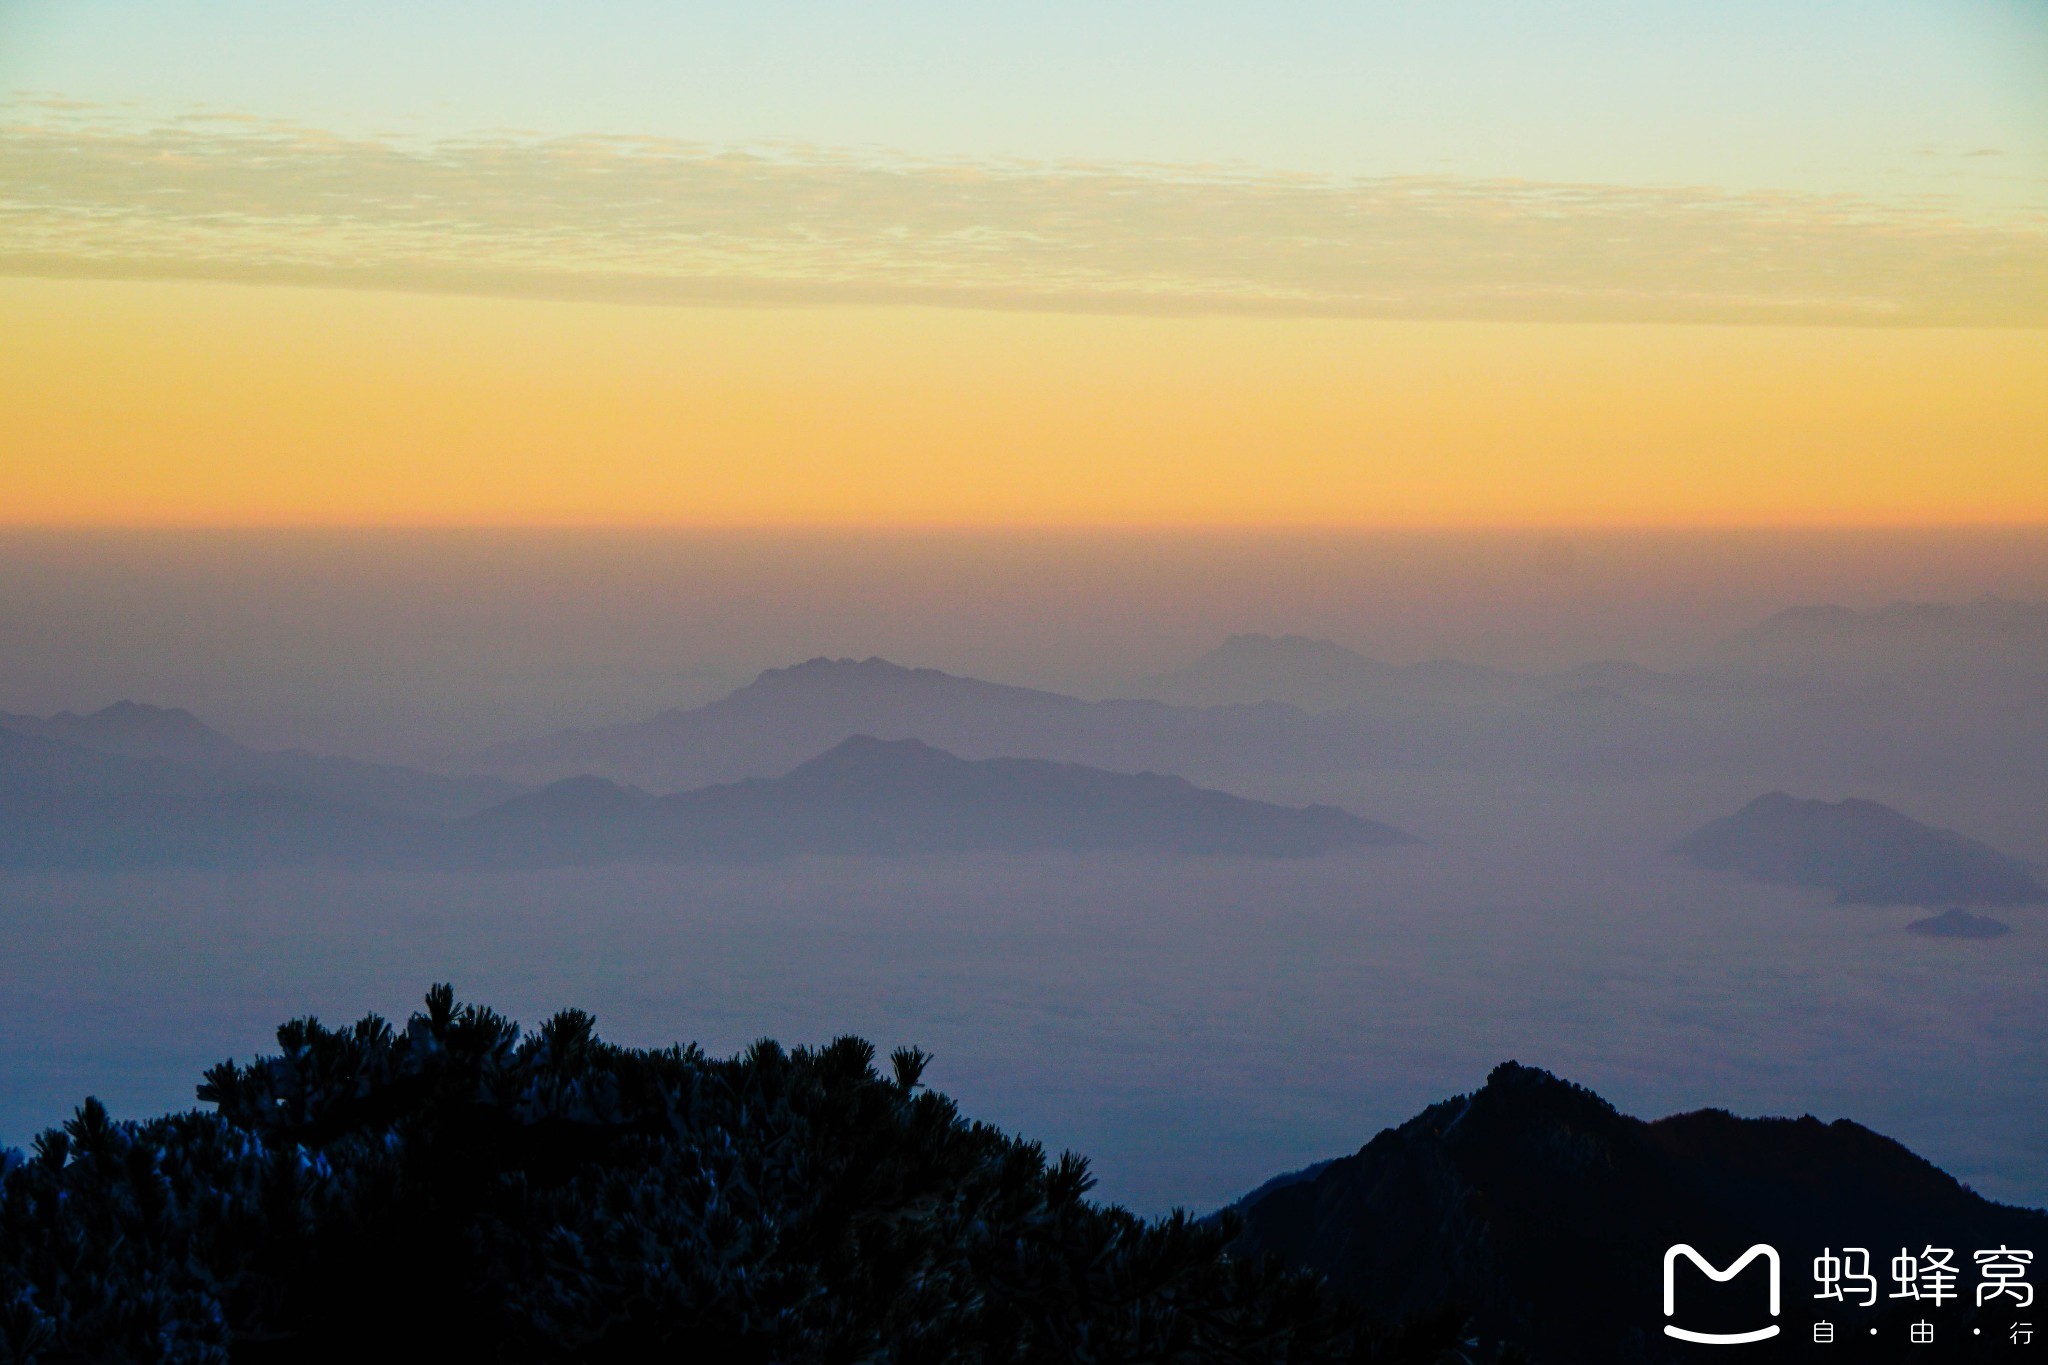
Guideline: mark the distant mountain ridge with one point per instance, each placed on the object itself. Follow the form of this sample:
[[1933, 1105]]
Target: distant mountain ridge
[[1321, 675], [1301, 670], [871, 796], [1589, 721], [1297, 705], [1866, 853], [65, 806], [142, 749], [1542, 1210], [787, 715], [1990, 634], [131, 729]]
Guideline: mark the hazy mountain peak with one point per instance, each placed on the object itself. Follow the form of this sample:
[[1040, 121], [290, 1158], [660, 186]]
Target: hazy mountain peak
[[585, 792], [1301, 669], [868, 749], [575, 820], [788, 715], [866, 758], [139, 730], [1864, 851], [873, 795], [1987, 634], [1292, 647], [1957, 922], [869, 796], [1591, 697], [872, 679], [144, 714], [874, 666], [824, 668]]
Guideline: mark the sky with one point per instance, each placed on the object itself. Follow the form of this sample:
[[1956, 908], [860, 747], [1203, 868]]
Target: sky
[[425, 645], [1875, 96], [1143, 265]]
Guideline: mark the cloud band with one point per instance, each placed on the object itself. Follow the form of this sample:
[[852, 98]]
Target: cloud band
[[648, 220]]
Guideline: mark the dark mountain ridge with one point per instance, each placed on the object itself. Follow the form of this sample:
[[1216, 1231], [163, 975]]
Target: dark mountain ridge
[[1542, 1210]]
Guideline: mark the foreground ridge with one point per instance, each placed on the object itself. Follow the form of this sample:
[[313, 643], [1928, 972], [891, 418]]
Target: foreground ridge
[[462, 1188], [1546, 1213]]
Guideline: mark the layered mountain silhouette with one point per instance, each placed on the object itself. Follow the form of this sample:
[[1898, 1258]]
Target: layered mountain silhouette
[[1866, 853], [132, 749], [133, 730], [1292, 704], [1600, 720], [787, 715], [1988, 636], [215, 803], [63, 805], [1321, 675], [1542, 1210], [874, 796], [1318, 675]]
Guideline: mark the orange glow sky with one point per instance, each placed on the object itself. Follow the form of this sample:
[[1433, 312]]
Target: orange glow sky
[[1167, 263], [226, 404]]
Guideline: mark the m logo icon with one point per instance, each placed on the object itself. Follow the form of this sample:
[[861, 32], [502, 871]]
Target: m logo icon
[[1769, 1255]]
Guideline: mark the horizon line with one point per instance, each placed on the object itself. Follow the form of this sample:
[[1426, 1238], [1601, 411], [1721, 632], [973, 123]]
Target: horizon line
[[1030, 527]]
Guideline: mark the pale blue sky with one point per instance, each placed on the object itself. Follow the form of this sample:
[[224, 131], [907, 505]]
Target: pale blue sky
[[1888, 97]]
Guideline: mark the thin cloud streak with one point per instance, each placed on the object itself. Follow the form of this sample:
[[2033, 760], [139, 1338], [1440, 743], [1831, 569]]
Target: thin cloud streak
[[225, 197]]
